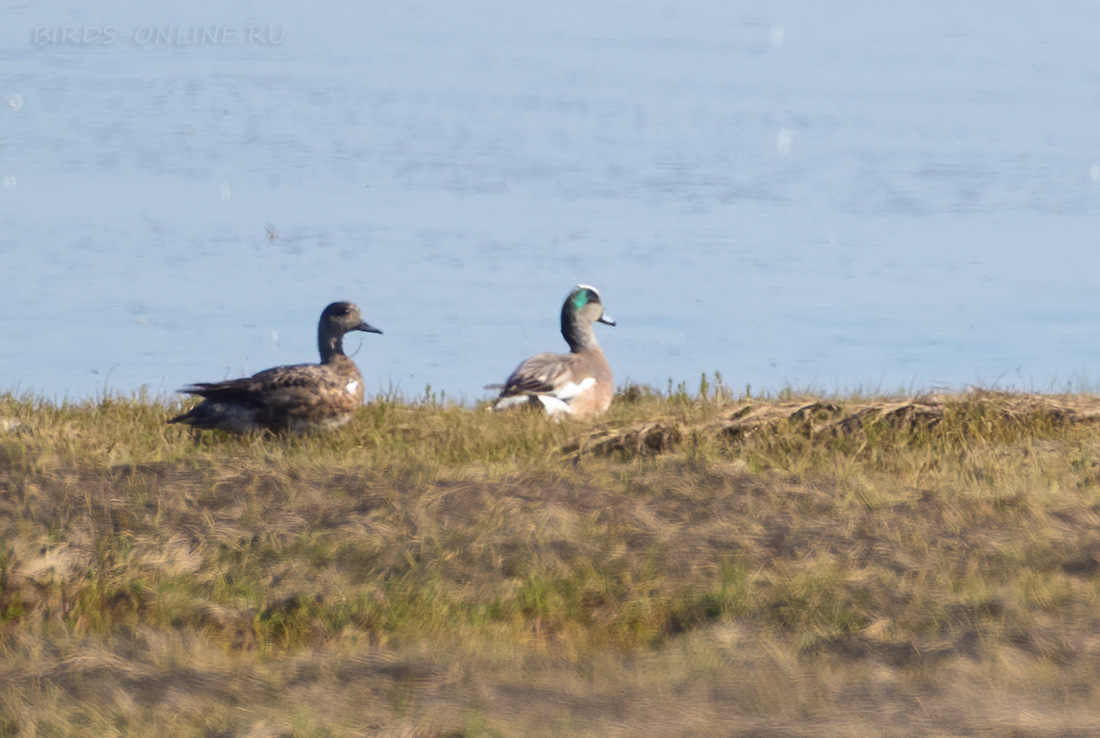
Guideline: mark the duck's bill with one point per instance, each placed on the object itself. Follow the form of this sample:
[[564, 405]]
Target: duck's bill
[[606, 319], [367, 328]]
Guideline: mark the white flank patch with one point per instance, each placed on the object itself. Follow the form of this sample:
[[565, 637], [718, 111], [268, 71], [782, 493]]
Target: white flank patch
[[554, 406], [353, 385], [572, 389], [508, 402]]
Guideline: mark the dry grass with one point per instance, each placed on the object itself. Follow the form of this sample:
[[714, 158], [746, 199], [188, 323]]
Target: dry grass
[[690, 565]]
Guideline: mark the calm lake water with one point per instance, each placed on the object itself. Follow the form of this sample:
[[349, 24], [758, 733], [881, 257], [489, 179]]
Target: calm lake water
[[828, 195]]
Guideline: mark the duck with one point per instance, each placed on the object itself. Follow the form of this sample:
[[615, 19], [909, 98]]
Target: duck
[[577, 384], [295, 398]]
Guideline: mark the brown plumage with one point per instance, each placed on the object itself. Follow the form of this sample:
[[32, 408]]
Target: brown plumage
[[578, 383], [289, 398]]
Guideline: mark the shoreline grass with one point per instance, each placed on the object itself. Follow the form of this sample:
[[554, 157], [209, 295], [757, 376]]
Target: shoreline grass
[[691, 564]]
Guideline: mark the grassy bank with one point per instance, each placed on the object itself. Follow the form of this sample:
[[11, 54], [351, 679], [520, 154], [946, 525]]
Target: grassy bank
[[692, 564]]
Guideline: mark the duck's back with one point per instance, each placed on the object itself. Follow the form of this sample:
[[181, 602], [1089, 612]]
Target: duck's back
[[296, 398]]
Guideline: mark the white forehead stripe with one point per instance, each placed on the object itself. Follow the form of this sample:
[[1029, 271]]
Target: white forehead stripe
[[586, 287]]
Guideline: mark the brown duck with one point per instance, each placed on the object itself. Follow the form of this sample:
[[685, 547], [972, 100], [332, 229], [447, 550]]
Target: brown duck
[[294, 398], [576, 384]]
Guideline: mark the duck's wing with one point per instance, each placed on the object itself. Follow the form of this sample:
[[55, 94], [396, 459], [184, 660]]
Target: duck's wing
[[277, 387], [547, 374]]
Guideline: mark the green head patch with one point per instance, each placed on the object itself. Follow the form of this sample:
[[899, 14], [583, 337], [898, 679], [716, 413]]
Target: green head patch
[[582, 297]]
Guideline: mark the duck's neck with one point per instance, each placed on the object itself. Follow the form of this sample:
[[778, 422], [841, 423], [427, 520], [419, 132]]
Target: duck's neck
[[330, 346], [577, 332]]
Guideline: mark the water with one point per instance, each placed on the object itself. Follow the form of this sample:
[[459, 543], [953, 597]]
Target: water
[[828, 195]]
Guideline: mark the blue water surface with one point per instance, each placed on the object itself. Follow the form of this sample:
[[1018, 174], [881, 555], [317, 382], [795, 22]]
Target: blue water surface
[[829, 195]]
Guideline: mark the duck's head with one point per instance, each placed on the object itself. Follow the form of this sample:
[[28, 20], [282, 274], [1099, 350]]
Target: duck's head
[[581, 309], [584, 303], [336, 320], [343, 317]]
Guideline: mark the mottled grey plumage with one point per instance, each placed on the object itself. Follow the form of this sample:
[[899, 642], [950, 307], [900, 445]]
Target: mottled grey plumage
[[289, 398], [578, 383]]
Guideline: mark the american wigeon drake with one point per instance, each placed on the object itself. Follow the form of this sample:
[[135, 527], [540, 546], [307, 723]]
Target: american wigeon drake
[[289, 398], [578, 383]]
